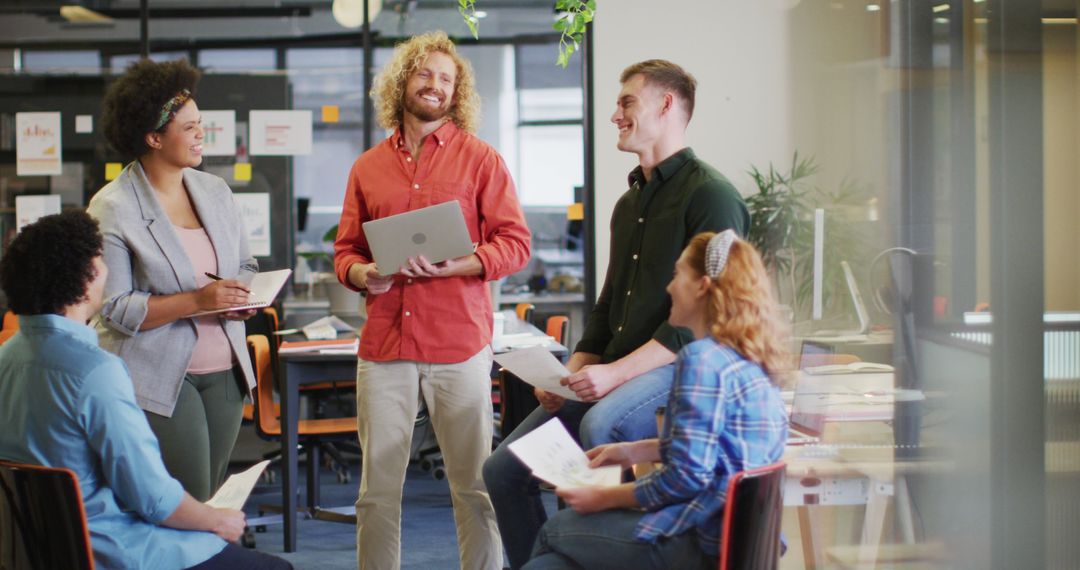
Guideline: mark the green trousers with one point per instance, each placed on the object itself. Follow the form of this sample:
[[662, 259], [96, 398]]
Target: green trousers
[[198, 439]]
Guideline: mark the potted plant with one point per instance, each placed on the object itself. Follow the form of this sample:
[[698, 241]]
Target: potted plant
[[782, 228]]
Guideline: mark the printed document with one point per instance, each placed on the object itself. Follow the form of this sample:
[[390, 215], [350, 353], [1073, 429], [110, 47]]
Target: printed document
[[234, 493], [537, 366], [553, 455]]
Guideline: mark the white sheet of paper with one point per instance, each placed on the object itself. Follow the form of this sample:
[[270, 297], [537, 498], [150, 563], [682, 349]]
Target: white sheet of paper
[[84, 124], [553, 455], [255, 211], [219, 133], [537, 366], [280, 133], [37, 144], [29, 208], [234, 493]]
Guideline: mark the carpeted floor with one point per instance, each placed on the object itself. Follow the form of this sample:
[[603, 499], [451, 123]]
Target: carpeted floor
[[428, 536]]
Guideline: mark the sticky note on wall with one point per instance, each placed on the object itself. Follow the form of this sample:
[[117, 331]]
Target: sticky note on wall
[[331, 113], [242, 171], [112, 170]]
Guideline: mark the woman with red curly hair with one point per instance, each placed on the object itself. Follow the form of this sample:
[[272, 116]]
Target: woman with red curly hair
[[724, 415]]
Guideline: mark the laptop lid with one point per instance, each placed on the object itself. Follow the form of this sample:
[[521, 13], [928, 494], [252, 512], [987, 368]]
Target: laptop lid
[[437, 232]]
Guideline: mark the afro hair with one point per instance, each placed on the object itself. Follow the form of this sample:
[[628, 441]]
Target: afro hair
[[134, 101], [50, 264]]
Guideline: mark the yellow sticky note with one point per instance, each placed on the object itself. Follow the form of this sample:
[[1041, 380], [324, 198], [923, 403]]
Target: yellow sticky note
[[242, 171], [112, 170], [330, 113], [575, 211]]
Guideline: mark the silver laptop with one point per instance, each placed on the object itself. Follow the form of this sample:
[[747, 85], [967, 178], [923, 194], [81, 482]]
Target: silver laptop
[[437, 232]]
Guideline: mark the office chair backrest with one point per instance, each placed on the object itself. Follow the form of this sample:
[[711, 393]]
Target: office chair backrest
[[42, 519], [752, 516], [558, 327], [266, 421], [6, 334], [11, 321], [525, 311]]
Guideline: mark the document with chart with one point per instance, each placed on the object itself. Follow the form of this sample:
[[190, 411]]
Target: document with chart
[[553, 455]]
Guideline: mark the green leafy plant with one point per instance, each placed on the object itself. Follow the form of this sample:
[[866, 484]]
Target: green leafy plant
[[328, 237], [782, 228], [574, 18]]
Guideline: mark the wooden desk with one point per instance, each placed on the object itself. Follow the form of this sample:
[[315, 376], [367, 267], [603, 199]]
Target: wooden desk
[[309, 368]]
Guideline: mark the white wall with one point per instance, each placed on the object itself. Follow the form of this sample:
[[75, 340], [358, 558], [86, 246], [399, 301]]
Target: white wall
[[737, 50]]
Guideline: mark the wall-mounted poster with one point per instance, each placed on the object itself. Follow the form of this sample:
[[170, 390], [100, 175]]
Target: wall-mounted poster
[[255, 211], [219, 133], [280, 133], [37, 144], [29, 208]]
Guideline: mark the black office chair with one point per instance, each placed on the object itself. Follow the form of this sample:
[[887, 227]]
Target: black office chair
[[752, 514], [42, 519]]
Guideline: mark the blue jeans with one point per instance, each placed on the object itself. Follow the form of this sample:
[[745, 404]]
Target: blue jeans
[[627, 413], [606, 540]]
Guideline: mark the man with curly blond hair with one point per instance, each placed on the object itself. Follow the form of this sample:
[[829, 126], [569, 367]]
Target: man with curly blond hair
[[428, 329]]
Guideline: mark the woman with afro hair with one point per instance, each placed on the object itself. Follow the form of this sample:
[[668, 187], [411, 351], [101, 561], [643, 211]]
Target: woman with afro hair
[[167, 229]]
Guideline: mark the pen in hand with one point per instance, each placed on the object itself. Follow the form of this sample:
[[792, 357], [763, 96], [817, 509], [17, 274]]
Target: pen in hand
[[212, 276]]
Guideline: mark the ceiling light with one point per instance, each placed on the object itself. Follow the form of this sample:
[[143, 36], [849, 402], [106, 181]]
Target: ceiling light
[[873, 8], [940, 8], [480, 14], [941, 20], [350, 13]]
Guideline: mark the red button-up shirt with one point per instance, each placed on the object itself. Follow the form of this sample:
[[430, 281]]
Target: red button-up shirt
[[437, 320]]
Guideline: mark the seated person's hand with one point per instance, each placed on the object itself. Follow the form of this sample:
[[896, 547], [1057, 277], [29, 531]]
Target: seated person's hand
[[550, 402], [584, 500], [592, 382], [229, 524], [620, 454]]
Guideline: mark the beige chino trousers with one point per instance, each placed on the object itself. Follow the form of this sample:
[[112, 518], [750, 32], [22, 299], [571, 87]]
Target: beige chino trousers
[[458, 398]]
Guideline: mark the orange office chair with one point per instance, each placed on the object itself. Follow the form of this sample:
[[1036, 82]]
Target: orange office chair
[[752, 514], [525, 311], [311, 433], [558, 327], [44, 521], [11, 321]]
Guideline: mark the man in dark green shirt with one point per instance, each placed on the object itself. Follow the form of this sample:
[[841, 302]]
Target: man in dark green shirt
[[622, 367]]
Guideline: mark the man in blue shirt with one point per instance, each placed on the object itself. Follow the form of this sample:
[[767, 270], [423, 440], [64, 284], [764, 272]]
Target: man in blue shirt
[[64, 402]]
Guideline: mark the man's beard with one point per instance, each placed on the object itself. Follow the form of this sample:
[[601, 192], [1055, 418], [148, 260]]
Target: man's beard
[[423, 112]]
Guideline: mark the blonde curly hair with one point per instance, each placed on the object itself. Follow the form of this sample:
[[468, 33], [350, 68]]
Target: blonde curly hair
[[388, 89], [741, 311]]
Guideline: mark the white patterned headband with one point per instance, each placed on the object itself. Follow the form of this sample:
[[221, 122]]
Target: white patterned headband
[[716, 253]]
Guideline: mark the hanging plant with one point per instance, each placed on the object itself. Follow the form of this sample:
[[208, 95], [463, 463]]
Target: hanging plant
[[574, 18]]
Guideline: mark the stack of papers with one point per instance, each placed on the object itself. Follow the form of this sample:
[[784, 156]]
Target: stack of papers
[[552, 455], [342, 346], [537, 366], [326, 328]]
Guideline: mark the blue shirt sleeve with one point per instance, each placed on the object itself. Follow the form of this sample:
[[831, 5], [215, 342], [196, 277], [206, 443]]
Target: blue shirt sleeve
[[690, 447], [119, 434]]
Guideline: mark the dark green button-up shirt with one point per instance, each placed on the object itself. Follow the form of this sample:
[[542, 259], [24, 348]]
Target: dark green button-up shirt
[[651, 225]]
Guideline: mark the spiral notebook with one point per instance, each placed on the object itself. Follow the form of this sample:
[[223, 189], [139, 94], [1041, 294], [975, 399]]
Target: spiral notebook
[[264, 286]]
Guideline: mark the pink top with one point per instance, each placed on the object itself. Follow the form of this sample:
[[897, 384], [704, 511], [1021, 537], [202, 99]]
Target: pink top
[[212, 351]]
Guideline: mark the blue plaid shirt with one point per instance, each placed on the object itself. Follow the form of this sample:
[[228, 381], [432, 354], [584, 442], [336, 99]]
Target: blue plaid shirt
[[724, 415]]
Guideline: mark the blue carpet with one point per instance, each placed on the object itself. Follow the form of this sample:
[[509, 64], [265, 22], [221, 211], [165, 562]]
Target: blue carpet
[[428, 539]]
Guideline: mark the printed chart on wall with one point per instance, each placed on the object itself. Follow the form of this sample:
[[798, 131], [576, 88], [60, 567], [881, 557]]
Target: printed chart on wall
[[219, 133], [280, 133], [37, 146], [255, 211]]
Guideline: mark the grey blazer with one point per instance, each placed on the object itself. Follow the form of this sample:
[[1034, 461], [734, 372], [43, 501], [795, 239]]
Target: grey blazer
[[145, 257]]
